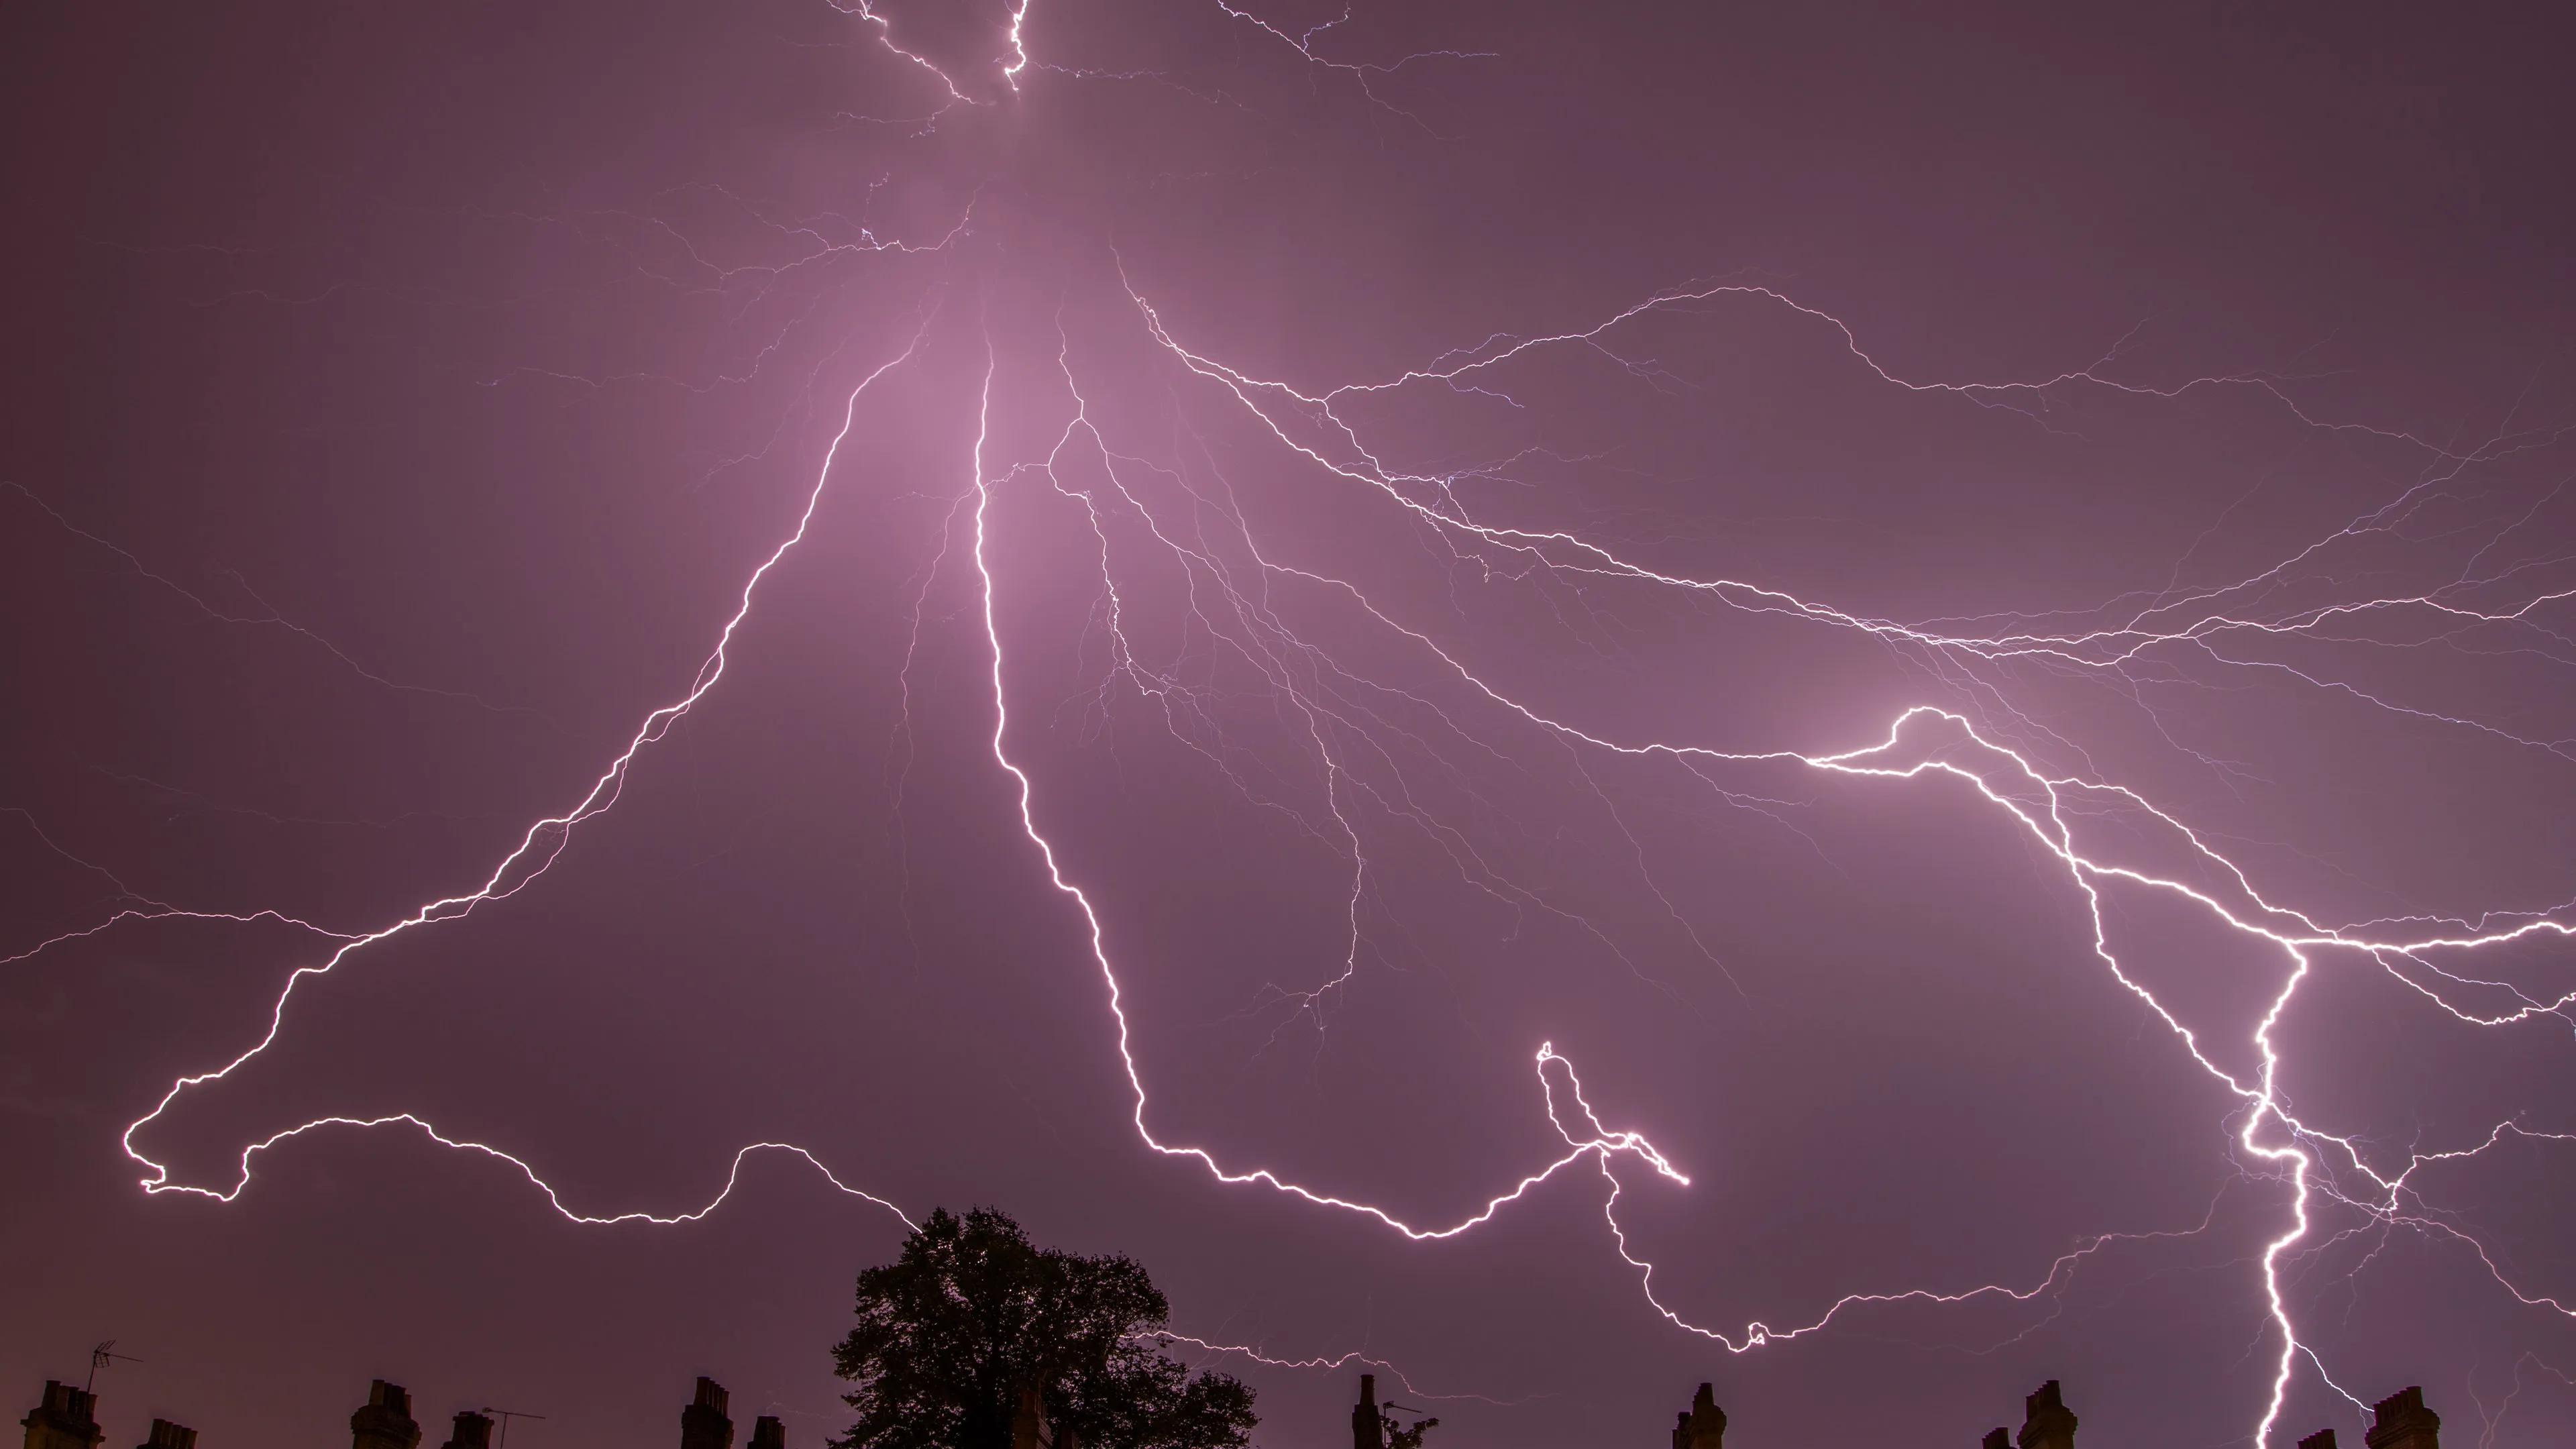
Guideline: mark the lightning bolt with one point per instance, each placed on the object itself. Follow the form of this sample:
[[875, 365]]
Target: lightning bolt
[[1983, 751]]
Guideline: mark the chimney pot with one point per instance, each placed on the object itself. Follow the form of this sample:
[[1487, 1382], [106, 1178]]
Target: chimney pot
[[2046, 1421], [65, 1418], [1704, 1426], [703, 1424], [384, 1421], [2402, 1422], [1368, 1431]]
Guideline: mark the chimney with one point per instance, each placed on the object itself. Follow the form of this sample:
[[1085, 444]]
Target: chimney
[[2322, 1439], [703, 1425], [2404, 1423], [166, 1435], [1028, 1422], [67, 1418], [473, 1431], [2046, 1422], [385, 1422], [1704, 1427], [1367, 1430], [768, 1433], [1998, 1439]]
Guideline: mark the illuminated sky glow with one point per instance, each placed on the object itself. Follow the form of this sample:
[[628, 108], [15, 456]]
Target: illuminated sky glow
[[1066, 607]]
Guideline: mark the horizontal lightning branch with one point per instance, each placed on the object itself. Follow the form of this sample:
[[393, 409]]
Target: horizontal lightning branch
[[1344, 722]]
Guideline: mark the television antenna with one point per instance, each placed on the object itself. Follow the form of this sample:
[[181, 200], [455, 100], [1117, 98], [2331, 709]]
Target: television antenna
[[99, 1358], [505, 1416]]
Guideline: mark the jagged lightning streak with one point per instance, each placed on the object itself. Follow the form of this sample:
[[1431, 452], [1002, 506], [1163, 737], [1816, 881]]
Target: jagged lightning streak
[[270, 618], [2295, 935], [1254, 1353], [2109, 648], [542, 840], [733, 1173], [145, 908], [2050, 827], [1603, 1145], [1018, 16], [2005, 777]]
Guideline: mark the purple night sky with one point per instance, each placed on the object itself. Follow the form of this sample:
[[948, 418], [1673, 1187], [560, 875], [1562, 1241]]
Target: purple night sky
[[1467, 496]]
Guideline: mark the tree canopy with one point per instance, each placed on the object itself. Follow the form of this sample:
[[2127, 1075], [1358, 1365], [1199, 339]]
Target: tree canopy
[[972, 1317]]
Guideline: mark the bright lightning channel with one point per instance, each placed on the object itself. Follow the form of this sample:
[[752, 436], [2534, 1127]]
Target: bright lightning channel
[[1922, 741]]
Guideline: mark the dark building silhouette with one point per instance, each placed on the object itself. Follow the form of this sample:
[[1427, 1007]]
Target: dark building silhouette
[[703, 1424], [2046, 1422], [384, 1421], [66, 1418], [1368, 1431], [2402, 1422], [1703, 1424], [2399, 1421]]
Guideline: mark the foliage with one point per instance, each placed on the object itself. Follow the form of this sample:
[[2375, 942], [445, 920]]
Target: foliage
[[1399, 1437], [972, 1314]]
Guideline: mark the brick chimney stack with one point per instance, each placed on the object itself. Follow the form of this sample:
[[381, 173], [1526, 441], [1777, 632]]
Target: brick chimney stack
[[768, 1433], [703, 1425], [385, 1422], [1367, 1431], [1998, 1439], [2046, 1421], [66, 1418], [2402, 1422], [1029, 1421], [2322, 1439], [1704, 1427], [473, 1431], [166, 1435]]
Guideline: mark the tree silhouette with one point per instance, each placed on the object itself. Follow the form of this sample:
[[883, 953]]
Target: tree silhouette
[[1400, 1437], [975, 1332]]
